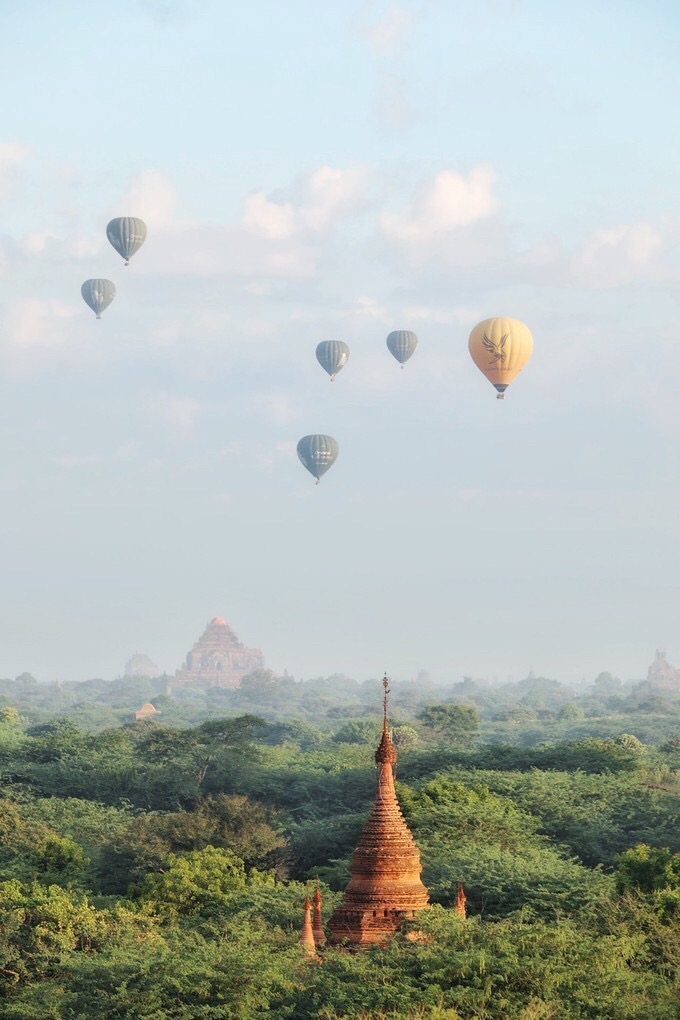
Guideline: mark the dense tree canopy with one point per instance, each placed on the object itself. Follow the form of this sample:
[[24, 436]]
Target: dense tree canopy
[[157, 870]]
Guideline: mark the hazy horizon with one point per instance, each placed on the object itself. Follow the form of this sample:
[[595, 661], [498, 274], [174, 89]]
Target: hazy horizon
[[312, 172]]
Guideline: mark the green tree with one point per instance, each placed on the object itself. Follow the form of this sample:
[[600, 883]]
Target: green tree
[[647, 869], [454, 724], [202, 880]]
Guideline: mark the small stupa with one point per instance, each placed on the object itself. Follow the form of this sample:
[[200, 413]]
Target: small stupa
[[307, 933], [317, 920], [385, 886], [461, 900]]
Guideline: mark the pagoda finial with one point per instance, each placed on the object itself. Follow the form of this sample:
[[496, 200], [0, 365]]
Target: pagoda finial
[[385, 752]]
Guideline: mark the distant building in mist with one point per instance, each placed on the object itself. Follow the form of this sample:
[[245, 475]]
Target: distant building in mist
[[218, 659], [141, 665], [145, 712], [662, 675]]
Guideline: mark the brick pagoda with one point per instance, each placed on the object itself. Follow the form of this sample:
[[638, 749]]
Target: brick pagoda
[[218, 659], [385, 887]]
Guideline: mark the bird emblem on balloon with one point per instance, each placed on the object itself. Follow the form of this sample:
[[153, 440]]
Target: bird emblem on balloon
[[495, 349]]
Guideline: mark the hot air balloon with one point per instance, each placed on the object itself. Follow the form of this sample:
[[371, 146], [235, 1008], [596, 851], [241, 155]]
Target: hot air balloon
[[402, 343], [500, 348], [127, 235], [98, 294], [332, 355], [318, 454]]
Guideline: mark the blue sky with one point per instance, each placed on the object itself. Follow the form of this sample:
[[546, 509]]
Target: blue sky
[[311, 171]]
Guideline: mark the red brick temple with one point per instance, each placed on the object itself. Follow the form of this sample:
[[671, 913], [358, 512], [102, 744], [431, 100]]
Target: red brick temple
[[218, 659], [385, 887]]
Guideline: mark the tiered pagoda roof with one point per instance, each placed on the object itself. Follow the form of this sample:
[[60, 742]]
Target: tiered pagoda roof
[[385, 886]]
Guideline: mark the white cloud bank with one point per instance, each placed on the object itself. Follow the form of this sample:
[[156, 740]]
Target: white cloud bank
[[323, 197], [447, 202], [13, 155], [621, 256], [388, 34]]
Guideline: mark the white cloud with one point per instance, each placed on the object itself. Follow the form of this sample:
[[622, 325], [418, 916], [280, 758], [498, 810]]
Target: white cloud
[[366, 307], [12, 158], [272, 220], [390, 33], [151, 197], [447, 202], [36, 333], [430, 315], [176, 413], [280, 236], [12, 154], [313, 206], [37, 242], [279, 407], [622, 255]]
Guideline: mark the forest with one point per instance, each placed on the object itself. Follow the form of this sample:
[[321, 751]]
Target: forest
[[157, 869]]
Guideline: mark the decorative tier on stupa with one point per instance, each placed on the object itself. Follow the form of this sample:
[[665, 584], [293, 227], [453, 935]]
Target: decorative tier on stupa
[[385, 887], [218, 659]]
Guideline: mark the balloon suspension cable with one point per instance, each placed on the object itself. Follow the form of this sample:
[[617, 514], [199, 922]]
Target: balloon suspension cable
[[127, 262]]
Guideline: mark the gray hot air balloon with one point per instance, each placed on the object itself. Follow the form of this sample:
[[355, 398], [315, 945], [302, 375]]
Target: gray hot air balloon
[[332, 355], [402, 343], [127, 235], [98, 294], [318, 454]]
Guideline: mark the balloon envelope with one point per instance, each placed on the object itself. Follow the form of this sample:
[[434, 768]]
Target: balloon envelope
[[332, 355], [402, 343], [317, 453], [127, 235], [500, 348], [98, 294]]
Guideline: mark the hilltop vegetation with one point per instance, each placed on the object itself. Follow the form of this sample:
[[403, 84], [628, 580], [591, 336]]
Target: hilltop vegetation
[[157, 870]]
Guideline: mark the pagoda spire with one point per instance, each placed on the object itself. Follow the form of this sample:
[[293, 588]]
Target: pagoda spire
[[317, 921], [307, 934], [385, 886]]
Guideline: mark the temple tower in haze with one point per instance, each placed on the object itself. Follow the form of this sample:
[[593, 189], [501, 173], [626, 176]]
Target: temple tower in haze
[[385, 887], [218, 659]]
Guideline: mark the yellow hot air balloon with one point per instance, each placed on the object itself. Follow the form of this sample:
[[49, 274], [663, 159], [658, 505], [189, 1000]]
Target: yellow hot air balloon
[[500, 348]]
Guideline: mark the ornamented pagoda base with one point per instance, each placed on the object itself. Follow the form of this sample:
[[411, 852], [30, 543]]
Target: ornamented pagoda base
[[368, 927]]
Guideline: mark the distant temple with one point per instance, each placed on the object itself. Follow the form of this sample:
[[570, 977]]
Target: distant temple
[[145, 712], [141, 665], [662, 675], [385, 886], [218, 659]]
